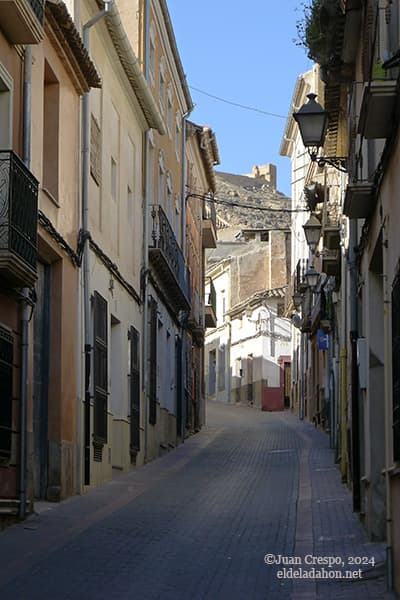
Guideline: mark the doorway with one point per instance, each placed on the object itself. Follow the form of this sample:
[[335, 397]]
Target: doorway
[[41, 360]]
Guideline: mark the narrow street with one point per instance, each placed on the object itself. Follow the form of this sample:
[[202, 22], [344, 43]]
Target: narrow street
[[198, 522]]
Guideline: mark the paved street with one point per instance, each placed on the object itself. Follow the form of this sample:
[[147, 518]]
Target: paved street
[[197, 523]]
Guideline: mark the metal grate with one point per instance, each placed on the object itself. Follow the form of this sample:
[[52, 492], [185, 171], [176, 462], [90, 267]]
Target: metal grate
[[18, 208], [38, 8]]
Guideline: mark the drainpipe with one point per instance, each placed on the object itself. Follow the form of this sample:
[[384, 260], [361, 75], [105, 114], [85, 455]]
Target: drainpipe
[[85, 252], [387, 310], [355, 412], [27, 119], [145, 370]]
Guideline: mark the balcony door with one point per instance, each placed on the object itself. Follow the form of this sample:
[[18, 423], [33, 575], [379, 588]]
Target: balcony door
[[41, 355]]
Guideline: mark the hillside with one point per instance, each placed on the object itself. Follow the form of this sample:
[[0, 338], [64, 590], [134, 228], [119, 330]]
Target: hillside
[[254, 191]]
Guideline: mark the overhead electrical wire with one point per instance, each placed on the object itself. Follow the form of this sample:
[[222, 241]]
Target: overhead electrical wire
[[226, 202], [237, 104]]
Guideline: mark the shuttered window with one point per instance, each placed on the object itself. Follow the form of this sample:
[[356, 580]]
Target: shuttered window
[[369, 41], [153, 363], [134, 390], [95, 150], [100, 370], [396, 367], [6, 377]]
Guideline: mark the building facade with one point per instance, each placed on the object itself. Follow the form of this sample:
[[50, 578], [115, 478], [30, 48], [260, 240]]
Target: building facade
[[359, 66], [101, 346], [248, 336], [45, 71]]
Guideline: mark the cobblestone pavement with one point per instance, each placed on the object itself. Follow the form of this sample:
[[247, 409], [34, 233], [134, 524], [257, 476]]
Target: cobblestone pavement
[[198, 522]]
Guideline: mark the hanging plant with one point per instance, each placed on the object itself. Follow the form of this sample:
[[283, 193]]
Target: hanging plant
[[316, 31]]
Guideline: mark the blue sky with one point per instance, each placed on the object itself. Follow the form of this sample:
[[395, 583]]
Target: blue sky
[[243, 52]]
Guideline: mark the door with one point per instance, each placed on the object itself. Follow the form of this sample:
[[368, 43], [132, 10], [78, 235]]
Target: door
[[41, 357], [134, 391], [286, 383], [250, 396], [179, 386]]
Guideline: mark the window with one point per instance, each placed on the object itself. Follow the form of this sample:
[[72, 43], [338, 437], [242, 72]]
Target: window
[[221, 368], [264, 236], [169, 111], [129, 200], [211, 372], [130, 175], [113, 179], [161, 89], [51, 123], [95, 150], [280, 311], [100, 372], [177, 137], [152, 167], [152, 57], [6, 393], [169, 199], [392, 15], [161, 179]]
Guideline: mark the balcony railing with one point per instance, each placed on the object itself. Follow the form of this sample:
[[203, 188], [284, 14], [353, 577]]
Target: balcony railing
[[38, 8], [168, 260], [18, 220], [22, 21]]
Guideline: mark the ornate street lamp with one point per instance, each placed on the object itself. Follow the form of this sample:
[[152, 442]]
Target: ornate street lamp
[[312, 230], [312, 277], [297, 299], [313, 121]]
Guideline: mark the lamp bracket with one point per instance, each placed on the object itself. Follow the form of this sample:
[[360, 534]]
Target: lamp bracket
[[338, 162]]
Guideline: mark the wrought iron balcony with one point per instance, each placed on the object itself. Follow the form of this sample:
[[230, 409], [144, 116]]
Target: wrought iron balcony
[[168, 261], [209, 231], [22, 20], [18, 221], [210, 311]]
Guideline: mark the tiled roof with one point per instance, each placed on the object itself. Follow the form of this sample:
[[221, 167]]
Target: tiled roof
[[69, 45]]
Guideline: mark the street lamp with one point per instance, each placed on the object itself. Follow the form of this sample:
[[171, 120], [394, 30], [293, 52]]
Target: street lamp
[[312, 230], [312, 277], [313, 121], [297, 299]]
